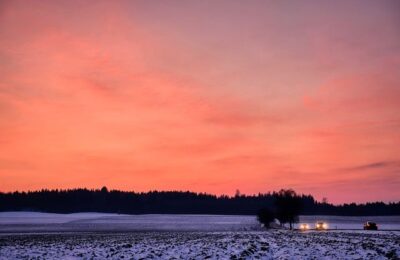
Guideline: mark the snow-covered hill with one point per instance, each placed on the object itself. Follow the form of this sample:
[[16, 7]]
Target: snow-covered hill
[[35, 221]]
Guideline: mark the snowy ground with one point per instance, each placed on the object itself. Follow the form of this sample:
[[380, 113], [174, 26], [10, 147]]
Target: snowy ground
[[346, 222], [202, 245], [27, 235], [48, 222]]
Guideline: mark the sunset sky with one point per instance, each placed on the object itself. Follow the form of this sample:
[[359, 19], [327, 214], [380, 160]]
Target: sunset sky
[[207, 96]]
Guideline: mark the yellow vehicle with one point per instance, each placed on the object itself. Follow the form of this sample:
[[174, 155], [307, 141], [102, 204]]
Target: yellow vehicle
[[321, 225]]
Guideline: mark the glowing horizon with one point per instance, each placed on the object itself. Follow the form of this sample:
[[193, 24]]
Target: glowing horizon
[[202, 96]]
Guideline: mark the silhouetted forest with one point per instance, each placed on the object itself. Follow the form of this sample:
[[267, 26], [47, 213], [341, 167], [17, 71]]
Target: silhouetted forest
[[173, 202]]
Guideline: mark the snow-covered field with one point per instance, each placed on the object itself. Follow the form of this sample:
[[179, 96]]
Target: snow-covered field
[[27, 235], [346, 222], [202, 245], [39, 222], [48, 222]]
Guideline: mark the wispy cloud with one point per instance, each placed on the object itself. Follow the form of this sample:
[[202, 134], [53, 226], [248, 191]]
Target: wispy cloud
[[373, 165]]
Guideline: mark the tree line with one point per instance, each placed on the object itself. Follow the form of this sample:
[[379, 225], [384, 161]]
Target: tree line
[[177, 202]]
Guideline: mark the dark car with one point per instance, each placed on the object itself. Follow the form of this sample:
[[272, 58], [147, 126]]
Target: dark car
[[370, 226], [320, 225]]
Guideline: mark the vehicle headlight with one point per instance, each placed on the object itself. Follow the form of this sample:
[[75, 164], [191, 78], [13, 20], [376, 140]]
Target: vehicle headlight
[[304, 226]]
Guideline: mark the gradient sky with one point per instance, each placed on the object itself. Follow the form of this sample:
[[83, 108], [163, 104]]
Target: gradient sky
[[208, 96]]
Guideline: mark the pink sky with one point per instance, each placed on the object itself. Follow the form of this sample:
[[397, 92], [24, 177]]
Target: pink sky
[[207, 96]]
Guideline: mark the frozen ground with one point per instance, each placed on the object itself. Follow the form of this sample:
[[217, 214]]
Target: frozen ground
[[346, 222], [48, 222], [27, 235], [278, 244], [41, 222]]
